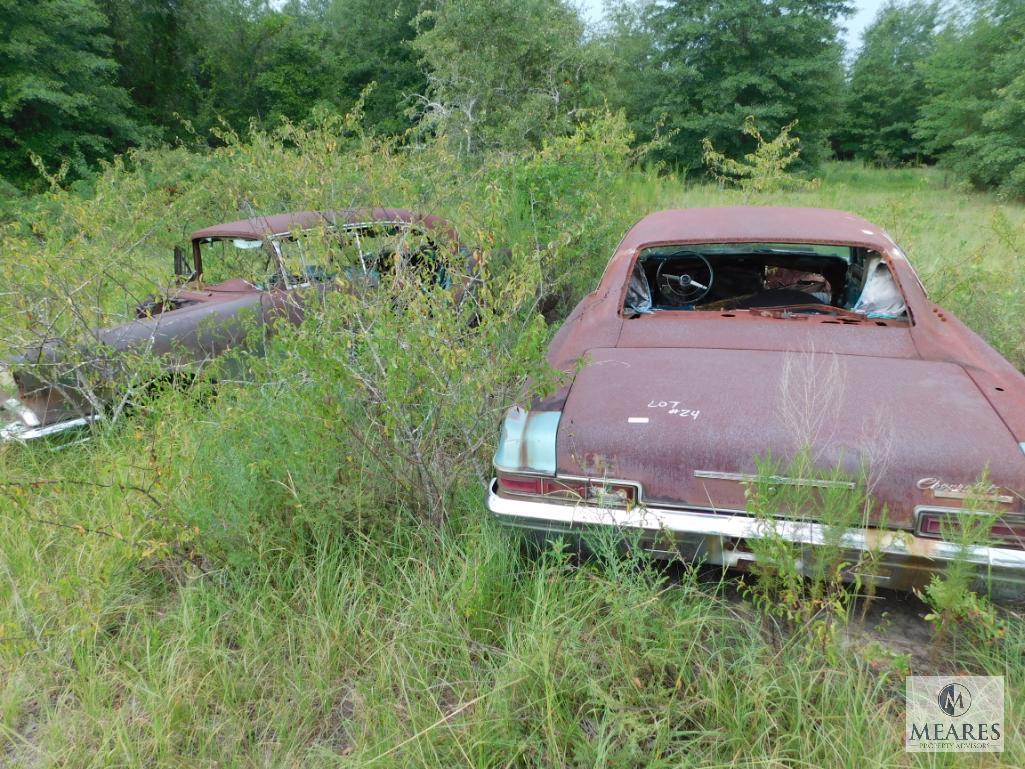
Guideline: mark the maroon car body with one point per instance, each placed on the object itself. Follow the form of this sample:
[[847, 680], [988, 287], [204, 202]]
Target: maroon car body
[[668, 408], [50, 389]]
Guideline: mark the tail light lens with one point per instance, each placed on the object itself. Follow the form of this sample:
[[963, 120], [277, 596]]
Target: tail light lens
[[1007, 529], [518, 484], [592, 491]]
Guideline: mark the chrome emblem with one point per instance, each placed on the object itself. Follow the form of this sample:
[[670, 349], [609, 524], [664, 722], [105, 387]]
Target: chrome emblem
[[941, 490]]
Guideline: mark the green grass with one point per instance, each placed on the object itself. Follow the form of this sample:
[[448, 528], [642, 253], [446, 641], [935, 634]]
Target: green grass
[[273, 599]]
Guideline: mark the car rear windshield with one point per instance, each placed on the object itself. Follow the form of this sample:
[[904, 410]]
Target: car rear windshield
[[801, 277]]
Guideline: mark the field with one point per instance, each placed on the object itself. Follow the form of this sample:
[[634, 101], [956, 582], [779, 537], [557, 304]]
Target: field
[[297, 570]]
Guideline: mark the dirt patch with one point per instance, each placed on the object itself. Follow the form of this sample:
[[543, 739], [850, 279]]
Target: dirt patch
[[886, 627], [894, 623]]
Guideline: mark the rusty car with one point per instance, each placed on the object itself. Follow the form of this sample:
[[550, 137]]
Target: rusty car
[[720, 336], [254, 271]]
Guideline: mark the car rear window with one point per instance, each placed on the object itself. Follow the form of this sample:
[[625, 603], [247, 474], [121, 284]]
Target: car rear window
[[803, 277]]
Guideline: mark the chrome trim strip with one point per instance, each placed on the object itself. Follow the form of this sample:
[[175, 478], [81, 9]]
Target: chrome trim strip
[[17, 431], [779, 480], [1002, 498], [901, 544]]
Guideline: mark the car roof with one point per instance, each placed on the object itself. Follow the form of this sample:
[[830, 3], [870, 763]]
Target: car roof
[[259, 227], [756, 224]]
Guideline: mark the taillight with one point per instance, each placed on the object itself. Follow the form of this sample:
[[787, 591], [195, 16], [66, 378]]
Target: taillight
[[937, 524], [571, 491], [606, 494], [592, 491]]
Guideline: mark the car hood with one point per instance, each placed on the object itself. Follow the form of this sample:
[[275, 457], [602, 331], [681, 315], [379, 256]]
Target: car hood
[[689, 425]]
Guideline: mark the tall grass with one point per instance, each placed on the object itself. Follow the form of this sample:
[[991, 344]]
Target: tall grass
[[261, 574]]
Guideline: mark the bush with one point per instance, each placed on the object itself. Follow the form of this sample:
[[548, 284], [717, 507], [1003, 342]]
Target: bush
[[765, 169]]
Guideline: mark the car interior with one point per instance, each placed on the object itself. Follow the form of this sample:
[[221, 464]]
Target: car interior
[[798, 278]]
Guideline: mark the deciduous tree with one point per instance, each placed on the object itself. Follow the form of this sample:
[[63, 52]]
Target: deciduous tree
[[59, 99], [506, 73], [974, 115], [714, 62], [886, 87]]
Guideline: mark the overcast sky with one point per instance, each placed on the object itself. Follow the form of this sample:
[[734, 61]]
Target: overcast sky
[[863, 15], [865, 11]]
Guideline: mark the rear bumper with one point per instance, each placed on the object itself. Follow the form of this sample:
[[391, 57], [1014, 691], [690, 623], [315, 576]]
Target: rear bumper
[[903, 561]]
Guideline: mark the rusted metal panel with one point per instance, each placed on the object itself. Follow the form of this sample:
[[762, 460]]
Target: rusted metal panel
[[669, 418], [755, 224]]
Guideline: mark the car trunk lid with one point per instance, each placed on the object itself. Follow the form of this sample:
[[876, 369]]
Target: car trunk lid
[[688, 424]]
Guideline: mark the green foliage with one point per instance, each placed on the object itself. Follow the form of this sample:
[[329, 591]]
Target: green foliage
[[158, 59], [505, 74], [59, 100], [765, 169], [886, 91], [1002, 278], [371, 42], [974, 113], [81, 80], [708, 65], [294, 568], [563, 207], [958, 598], [255, 63], [373, 414], [792, 583]]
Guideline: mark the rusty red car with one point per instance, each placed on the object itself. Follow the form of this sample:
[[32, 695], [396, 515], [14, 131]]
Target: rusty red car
[[723, 335], [237, 276]]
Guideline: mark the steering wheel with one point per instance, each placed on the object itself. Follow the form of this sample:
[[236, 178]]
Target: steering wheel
[[685, 279]]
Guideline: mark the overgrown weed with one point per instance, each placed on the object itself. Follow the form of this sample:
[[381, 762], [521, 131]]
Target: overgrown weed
[[325, 588]]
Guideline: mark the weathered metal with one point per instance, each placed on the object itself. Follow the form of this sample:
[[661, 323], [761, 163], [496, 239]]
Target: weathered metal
[[43, 391], [919, 409]]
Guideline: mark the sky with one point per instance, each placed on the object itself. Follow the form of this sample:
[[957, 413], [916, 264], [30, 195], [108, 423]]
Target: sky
[[865, 11]]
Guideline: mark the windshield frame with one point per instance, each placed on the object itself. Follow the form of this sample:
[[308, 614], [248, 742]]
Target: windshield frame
[[267, 247], [271, 246]]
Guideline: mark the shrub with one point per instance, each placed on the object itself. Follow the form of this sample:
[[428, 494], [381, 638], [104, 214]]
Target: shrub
[[765, 169]]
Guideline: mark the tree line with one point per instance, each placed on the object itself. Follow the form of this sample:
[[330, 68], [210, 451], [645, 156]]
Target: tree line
[[81, 80]]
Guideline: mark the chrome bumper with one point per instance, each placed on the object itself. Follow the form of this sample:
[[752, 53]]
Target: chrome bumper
[[19, 431], [904, 560], [26, 425]]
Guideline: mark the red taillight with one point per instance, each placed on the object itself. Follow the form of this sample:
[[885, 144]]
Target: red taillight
[[936, 525], [930, 525], [520, 484], [592, 491], [572, 491], [1013, 534]]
